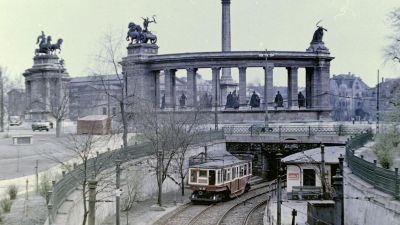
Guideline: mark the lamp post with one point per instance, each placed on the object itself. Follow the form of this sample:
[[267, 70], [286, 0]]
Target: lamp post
[[279, 191], [266, 55]]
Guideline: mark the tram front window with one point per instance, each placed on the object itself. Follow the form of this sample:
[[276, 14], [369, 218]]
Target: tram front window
[[211, 177]]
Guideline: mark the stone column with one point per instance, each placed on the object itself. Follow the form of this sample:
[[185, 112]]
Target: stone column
[[157, 99], [28, 94], [242, 86], [170, 99], [47, 99], [309, 89], [292, 87], [324, 87], [227, 82], [268, 85], [191, 87], [315, 88], [226, 25], [215, 86]]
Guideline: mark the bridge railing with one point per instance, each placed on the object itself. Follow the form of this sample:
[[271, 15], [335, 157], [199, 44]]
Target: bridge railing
[[73, 179], [385, 180], [290, 130]]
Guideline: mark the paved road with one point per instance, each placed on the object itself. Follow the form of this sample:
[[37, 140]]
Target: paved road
[[17, 161]]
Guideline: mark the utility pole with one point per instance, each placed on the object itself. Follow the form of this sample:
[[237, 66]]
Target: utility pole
[[279, 191], [323, 181], [117, 191], [377, 105], [37, 176], [1, 102], [92, 202], [266, 117]]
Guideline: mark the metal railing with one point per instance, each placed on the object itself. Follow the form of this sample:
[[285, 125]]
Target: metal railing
[[71, 180], [298, 130], [385, 180]]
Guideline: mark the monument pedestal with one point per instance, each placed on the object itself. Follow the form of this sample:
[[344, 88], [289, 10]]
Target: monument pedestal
[[139, 81], [318, 47], [45, 84]]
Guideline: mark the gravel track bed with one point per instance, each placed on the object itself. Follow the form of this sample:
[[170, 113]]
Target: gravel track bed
[[192, 214], [213, 214], [256, 216], [238, 213]]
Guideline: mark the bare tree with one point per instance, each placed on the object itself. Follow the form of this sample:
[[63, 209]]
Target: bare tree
[[108, 58], [392, 51], [7, 84], [169, 134], [59, 106], [133, 182], [84, 148], [188, 129]]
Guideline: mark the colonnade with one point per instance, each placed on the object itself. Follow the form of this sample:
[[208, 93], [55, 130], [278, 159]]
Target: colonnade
[[316, 79]]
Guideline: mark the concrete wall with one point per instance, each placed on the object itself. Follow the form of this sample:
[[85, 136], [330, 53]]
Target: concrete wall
[[365, 205]]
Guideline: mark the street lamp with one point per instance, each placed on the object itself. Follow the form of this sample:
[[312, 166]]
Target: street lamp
[[266, 55]]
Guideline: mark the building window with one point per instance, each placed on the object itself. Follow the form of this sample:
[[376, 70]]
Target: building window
[[309, 177], [114, 111], [104, 111]]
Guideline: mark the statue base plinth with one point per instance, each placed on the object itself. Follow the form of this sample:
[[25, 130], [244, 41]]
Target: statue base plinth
[[45, 59], [142, 49], [318, 47]]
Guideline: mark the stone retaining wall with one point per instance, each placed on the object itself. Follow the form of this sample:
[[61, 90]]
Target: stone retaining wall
[[71, 210], [365, 205]]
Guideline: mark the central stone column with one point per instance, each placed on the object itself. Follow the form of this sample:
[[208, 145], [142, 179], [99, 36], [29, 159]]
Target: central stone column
[[227, 84]]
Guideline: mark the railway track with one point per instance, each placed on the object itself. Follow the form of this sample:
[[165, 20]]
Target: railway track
[[244, 211], [255, 216], [191, 214]]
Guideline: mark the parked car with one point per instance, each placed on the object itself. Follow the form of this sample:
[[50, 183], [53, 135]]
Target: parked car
[[39, 125], [15, 120]]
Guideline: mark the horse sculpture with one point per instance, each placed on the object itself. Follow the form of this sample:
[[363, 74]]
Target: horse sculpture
[[45, 45], [134, 33], [54, 47], [137, 34]]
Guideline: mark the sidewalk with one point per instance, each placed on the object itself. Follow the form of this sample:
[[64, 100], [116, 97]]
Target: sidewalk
[[147, 212]]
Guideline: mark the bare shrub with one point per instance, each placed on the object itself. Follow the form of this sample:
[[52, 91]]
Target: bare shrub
[[5, 205], [12, 191]]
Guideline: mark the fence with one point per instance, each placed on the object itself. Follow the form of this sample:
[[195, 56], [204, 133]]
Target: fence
[[255, 130], [382, 179], [75, 177]]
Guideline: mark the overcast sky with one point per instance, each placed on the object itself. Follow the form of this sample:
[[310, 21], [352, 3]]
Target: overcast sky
[[357, 29]]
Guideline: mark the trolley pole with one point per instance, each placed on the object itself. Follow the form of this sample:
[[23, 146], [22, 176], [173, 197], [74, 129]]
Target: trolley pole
[[117, 191], [279, 191]]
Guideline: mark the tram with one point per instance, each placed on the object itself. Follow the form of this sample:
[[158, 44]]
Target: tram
[[218, 178]]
